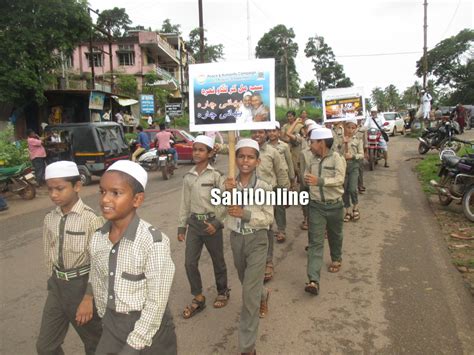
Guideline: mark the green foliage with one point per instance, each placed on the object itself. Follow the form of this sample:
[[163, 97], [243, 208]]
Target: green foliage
[[115, 20], [130, 136], [279, 43], [167, 27], [310, 88], [428, 170], [212, 52], [127, 84], [32, 33], [10, 153], [329, 73], [181, 121]]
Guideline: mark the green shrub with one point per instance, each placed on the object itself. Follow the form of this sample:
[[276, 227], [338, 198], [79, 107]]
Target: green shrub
[[130, 136], [12, 153]]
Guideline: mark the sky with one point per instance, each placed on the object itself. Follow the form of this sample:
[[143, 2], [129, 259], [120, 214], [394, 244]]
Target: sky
[[365, 35]]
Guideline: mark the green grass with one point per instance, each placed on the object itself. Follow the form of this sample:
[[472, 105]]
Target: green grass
[[428, 170]]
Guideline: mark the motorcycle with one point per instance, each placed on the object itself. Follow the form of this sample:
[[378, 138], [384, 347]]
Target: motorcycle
[[166, 163], [456, 181], [19, 180], [374, 150], [148, 159], [439, 138]]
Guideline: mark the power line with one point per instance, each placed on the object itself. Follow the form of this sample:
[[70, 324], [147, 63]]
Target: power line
[[376, 54], [452, 18]]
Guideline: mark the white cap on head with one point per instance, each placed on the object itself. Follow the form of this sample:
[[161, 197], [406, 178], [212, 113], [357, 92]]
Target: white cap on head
[[374, 109], [248, 93], [321, 133], [209, 141], [309, 121], [246, 142], [352, 120], [61, 169], [131, 168], [277, 125]]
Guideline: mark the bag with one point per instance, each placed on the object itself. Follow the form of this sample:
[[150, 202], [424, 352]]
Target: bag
[[384, 134]]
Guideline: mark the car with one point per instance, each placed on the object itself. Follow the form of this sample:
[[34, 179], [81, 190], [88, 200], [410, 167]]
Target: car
[[183, 142], [393, 123]]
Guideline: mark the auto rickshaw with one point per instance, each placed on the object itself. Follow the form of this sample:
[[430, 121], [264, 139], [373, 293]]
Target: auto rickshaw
[[93, 146]]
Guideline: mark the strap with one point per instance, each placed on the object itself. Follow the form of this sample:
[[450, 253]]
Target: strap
[[373, 119]]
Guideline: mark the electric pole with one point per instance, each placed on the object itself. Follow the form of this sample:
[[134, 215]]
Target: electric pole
[[425, 48], [201, 33]]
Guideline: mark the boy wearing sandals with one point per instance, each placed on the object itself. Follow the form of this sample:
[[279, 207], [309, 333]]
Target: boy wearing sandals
[[131, 270], [351, 147], [249, 243], [203, 223], [325, 178]]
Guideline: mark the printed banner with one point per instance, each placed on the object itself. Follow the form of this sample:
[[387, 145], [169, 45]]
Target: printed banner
[[232, 96], [147, 104], [96, 101], [344, 103]]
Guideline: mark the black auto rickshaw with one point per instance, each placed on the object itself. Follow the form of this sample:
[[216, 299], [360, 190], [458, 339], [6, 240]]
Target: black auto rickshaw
[[92, 146]]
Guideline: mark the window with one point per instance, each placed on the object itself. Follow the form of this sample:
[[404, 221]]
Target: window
[[126, 58], [68, 61], [96, 57]]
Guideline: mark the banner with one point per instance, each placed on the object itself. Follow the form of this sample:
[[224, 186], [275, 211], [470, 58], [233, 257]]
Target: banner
[[344, 103], [96, 101], [232, 96], [147, 104], [173, 109]]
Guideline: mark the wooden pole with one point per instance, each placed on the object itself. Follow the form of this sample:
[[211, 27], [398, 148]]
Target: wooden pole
[[232, 154]]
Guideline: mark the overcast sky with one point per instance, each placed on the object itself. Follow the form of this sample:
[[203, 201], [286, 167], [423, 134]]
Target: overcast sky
[[358, 31]]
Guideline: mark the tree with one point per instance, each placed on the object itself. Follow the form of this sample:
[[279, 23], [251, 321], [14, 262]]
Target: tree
[[392, 98], [212, 52], [160, 95], [451, 62], [127, 84], [278, 43], [411, 95], [379, 99], [310, 88], [329, 73], [115, 20], [32, 33], [167, 27]]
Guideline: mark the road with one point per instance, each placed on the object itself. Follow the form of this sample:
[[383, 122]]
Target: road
[[396, 292]]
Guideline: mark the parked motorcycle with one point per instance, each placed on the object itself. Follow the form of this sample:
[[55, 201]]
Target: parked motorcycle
[[373, 147], [19, 180], [166, 163], [439, 138], [456, 181], [148, 159]]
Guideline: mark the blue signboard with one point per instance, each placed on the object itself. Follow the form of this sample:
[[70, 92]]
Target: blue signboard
[[147, 104]]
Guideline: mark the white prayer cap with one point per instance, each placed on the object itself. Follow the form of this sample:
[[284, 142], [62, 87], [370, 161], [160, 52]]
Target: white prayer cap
[[246, 142], [248, 93], [209, 141], [374, 109], [277, 125], [61, 169], [312, 126], [309, 121], [352, 120], [321, 133], [131, 168]]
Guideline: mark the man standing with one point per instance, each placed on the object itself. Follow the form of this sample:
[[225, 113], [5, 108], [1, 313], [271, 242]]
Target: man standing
[[426, 104], [37, 155]]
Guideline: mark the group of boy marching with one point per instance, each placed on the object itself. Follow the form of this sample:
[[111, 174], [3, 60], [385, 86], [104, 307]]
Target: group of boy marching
[[110, 276]]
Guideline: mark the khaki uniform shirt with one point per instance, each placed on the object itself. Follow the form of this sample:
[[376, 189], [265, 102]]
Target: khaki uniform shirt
[[66, 237], [196, 195], [285, 154], [271, 169], [331, 171], [355, 146], [305, 160], [255, 216], [295, 146]]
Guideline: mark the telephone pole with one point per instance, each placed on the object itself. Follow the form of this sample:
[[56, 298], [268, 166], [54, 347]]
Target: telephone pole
[[425, 48], [201, 33]]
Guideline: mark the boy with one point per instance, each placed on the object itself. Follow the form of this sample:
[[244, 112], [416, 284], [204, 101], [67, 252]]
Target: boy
[[203, 222], [67, 231], [287, 162], [325, 178], [249, 243], [131, 269]]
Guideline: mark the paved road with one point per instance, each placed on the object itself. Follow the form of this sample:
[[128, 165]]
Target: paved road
[[396, 293]]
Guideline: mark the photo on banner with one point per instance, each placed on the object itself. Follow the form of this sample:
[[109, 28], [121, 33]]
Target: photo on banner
[[231, 96], [344, 103]]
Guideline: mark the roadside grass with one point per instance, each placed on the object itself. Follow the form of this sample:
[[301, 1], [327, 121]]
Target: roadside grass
[[427, 170]]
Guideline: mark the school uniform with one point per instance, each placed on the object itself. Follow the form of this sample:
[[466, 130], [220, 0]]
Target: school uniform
[[249, 243], [325, 210], [305, 161], [295, 145], [196, 208], [66, 239], [131, 281]]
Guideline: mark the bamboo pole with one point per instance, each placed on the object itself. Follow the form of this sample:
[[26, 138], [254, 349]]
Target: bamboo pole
[[231, 154]]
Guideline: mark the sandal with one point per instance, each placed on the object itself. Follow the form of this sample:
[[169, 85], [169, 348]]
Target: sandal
[[347, 217], [280, 237], [335, 266], [355, 215], [304, 225], [222, 299], [195, 307], [312, 287], [264, 306], [268, 272]]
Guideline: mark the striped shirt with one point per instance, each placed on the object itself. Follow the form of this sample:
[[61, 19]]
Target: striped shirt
[[134, 274], [66, 237]]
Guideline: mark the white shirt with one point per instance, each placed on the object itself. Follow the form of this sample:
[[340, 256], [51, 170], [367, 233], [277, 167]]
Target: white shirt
[[246, 114], [369, 122]]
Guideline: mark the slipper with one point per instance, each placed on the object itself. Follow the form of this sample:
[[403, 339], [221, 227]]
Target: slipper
[[264, 306], [304, 225], [268, 272], [194, 308], [280, 237], [347, 217], [222, 299], [355, 215], [312, 287], [335, 266]]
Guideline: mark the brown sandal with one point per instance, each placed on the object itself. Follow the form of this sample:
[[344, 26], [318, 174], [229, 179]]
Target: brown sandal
[[312, 287], [304, 225], [222, 299], [264, 306], [280, 237], [268, 272], [195, 307], [355, 215], [347, 217], [335, 266]]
